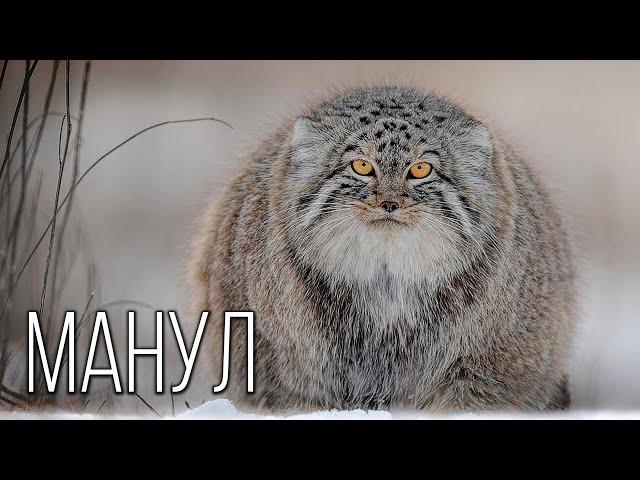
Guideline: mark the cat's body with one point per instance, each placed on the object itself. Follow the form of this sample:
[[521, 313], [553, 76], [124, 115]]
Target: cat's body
[[458, 294]]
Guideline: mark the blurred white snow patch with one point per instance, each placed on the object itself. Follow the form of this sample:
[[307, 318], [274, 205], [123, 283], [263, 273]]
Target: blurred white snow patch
[[224, 409], [344, 415], [217, 408]]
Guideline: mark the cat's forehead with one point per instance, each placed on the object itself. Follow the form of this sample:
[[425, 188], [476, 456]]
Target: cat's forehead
[[392, 126], [365, 107]]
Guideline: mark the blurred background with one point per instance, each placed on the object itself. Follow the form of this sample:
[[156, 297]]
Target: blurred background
[[578, 122]]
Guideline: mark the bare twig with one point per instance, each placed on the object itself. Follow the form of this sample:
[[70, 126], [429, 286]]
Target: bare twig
[[33, 210], [25, 114], [15, 228], [62, 161], [45, 112], [147, 404], [32, 149], [4, 69], [15, 116], [76, 163], [84, 313], [91, 271], [25, 122], [14, 232], [84, 175], [43, 120]]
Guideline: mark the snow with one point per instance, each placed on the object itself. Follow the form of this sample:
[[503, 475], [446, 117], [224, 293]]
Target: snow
[[224, 410]]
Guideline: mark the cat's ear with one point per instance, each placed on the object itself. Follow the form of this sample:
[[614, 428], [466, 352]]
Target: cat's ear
[[304, 131], [479, 137], [307, 141], [476, 146]]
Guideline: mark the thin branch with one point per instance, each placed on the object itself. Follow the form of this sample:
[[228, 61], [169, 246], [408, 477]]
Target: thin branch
[[62, 162], [4, 69], [148, 405], [91, 282], [86, 172], [104, 402], [15, 228], [25, 122], [33, 143], [15, 116], [45, 111], [12, 243], [76, 166], [84, 314], [84, 405], [33, 211], [34, 147]]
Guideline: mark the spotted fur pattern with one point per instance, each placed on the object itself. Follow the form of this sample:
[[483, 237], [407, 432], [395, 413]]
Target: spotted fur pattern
[[462, 298]]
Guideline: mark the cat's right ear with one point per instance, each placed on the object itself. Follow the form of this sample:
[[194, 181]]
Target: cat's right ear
[[307, 142]]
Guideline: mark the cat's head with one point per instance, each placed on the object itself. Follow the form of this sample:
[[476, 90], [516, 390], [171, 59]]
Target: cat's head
[[389, 181]]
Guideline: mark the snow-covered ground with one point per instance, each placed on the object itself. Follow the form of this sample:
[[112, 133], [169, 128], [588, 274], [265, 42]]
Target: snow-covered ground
[[224, 410]]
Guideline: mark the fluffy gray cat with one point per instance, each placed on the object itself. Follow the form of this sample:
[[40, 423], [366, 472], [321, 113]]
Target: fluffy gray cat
[[396, 255]]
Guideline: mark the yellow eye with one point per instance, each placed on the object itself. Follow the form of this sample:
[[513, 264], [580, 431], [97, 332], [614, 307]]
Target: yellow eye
[[362, 167], [420, 170]]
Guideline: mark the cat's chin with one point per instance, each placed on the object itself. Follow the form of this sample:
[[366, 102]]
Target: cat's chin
[[368, 251]]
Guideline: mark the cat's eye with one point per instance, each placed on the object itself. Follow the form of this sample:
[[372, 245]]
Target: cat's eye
[[420, 170], [362, 167]]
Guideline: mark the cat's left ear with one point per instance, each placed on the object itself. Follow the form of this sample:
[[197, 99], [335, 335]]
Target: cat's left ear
[[303, 132], [307, 142]]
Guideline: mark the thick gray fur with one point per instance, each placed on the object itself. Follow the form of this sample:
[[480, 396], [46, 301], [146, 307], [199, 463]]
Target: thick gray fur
[[462, 298]]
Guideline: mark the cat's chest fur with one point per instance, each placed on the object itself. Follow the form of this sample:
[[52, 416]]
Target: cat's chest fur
[[376, 342]]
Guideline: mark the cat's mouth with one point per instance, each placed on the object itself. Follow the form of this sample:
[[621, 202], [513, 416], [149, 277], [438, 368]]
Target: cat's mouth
[[388, 220], [374, 217]]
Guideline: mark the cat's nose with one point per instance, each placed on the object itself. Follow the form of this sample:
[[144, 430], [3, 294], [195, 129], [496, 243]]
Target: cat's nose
[[390, 206]]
